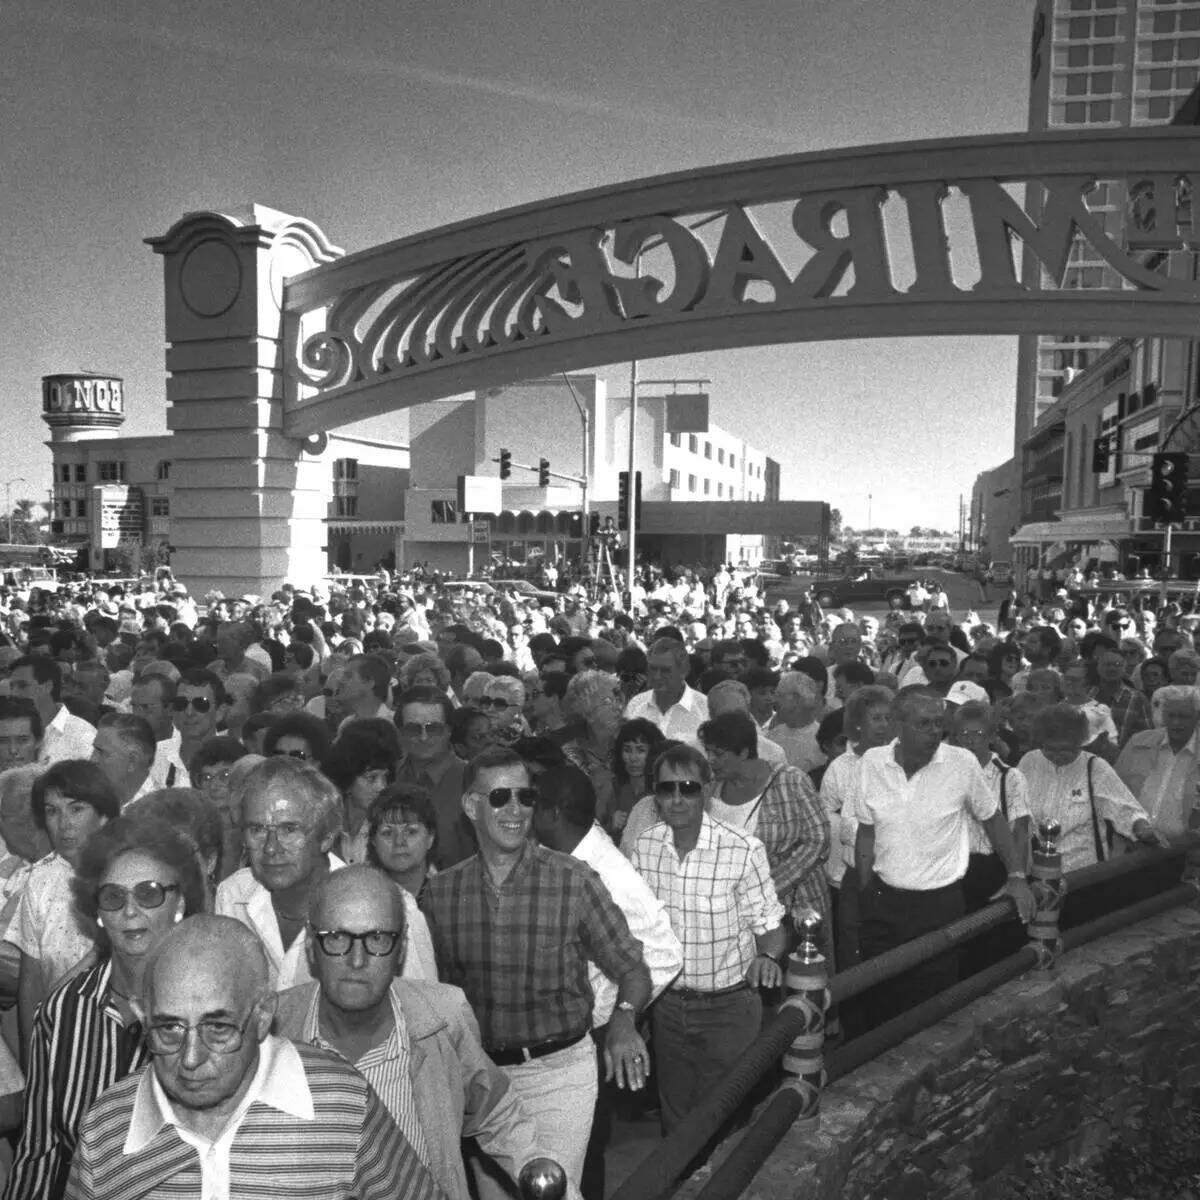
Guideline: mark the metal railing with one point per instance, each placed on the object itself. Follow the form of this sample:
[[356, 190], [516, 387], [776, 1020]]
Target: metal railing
[[796, 1035]]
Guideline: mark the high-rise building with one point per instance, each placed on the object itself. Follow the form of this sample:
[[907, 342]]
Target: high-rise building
[[1097, 64]]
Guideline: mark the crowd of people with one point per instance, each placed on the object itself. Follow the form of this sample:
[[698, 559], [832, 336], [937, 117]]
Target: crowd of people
[[300, 892]]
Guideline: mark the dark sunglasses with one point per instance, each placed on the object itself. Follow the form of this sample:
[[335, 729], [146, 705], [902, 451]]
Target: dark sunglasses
[[493, 702], [112, 897], [428, 729], [200, 703], [683, 787], [524, 796]]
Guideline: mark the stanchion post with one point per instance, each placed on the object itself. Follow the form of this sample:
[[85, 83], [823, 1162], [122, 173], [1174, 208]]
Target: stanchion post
[[807, 982], [1049, 887], [1191, 863], [542, 1179]]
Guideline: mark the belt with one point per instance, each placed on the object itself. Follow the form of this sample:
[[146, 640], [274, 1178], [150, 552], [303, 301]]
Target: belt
[[695, 994], [519, 1054]]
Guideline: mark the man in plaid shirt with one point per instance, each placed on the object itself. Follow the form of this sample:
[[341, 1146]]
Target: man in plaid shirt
[[514, 926], [716, 885]]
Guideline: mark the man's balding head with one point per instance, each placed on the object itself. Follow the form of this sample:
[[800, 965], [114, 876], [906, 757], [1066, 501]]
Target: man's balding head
[[210, 947]]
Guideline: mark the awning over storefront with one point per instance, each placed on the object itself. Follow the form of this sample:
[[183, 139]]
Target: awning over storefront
[[1037, 533], [1074, 529]]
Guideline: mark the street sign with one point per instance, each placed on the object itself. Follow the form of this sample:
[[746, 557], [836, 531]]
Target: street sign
[[481, 533]]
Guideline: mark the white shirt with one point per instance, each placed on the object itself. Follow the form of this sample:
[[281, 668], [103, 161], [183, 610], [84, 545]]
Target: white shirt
[[922, 822], [44, 927], [1016, 799], [645, 913], [799, 745], [67, 736], [681, 722], [839, 792], [166, 756], [279, 1081], [242, 897], [1165, 783], [1061, 794]]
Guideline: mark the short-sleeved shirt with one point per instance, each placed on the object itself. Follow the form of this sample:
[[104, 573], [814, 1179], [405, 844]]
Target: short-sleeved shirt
[[45, 927], [520, 951], [922, 822], [1016, 800]]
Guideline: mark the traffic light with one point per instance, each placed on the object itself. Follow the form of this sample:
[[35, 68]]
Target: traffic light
[[1101, 455], [1166, 501], [622, 499], [593, 524], [637, 499], [544, 472], [505, 464]]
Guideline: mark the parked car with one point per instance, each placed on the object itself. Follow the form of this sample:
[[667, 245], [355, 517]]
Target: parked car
[[527, 590], [1000, 572], [873, 584]]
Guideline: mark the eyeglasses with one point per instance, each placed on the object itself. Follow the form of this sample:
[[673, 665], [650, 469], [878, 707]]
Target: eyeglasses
[[500, 796], [201, 704], [208, 778], [291, 832], [688, 788], [112, 897], [221, 1037], [303, 755], [426, 729], [938, 662], [497, 702], [337, 943]]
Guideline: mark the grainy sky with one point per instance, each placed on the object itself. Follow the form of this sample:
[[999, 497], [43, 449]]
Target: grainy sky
[[382, 118]]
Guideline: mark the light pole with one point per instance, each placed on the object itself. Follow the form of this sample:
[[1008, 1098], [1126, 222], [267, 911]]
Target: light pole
[[583, 473], [8, 483]]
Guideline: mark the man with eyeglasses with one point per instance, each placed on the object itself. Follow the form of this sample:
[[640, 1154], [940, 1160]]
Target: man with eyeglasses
[[199, 707], [416, 1043], [228, 1109], [423, 716], [515, 927]]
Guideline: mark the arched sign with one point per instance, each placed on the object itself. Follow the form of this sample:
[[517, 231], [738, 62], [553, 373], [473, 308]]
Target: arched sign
[[847, 244]]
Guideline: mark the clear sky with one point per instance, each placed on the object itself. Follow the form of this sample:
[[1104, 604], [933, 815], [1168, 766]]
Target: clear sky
[[382, 118]]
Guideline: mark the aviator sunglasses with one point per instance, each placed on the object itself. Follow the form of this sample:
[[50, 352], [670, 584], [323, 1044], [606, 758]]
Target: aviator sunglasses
[[683, 787], [525, 796]]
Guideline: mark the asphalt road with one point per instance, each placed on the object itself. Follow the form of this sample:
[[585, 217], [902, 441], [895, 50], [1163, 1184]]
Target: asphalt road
[[962, 590]]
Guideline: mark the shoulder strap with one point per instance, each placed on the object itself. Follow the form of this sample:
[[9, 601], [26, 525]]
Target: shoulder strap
[[1100, 855], [1004, 789]]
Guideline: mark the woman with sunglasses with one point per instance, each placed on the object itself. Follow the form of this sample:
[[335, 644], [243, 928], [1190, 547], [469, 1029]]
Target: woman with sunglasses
[[135, 878]]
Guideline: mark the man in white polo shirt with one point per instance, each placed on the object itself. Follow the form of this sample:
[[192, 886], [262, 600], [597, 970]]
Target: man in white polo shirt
[[675, 708], [914, 801]]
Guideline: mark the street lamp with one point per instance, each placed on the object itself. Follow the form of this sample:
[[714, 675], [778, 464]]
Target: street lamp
[[8, 483]]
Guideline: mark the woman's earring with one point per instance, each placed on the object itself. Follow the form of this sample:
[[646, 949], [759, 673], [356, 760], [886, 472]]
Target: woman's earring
[[178, 916]]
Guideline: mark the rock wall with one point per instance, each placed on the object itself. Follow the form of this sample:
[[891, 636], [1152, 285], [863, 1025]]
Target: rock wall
[[1042, 1064]]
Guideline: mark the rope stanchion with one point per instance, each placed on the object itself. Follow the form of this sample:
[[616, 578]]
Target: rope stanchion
[[1191, 862], [808, 997], [1049, 888]]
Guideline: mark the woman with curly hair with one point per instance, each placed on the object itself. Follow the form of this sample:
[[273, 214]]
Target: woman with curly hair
[[135, 879], [634, 750]]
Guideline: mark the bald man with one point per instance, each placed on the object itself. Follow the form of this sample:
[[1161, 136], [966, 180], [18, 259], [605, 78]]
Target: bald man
[[228, 1109], [416, 1043]]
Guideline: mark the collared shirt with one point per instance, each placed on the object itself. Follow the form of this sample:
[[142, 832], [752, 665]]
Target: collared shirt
[[44, 927], [681, 722], [1061, 794], [1016, 801], [839, 791], [168, 769], [444, 779], [66, 736], [922, 821], [646, 914], [1130, 713], [1163, 780], [718, 896], [520, 950], [385, 1067], [80, 1046], [242, 897], [312, 1127]]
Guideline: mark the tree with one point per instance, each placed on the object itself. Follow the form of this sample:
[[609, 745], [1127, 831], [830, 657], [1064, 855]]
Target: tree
[[835, 524], [26, 527]]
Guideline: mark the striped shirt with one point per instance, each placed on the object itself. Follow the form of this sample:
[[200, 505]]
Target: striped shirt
[[331, 1140], [719, 896], [385, 1067], [520, 951], [80, 1047]]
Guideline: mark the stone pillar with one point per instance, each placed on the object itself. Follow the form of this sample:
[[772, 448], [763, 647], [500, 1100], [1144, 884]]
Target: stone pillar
[[248, 503]]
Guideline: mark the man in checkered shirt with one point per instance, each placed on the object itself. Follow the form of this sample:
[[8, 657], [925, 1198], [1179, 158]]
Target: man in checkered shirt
[[716, 885]]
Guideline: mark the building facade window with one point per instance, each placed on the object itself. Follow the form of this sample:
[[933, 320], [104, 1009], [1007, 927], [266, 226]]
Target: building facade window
[[721, 455], [720, 490], [707, 487], [160, 506], [691, 483], [163, 470], [693, 443], [81, 472], [674, 478], [443, 512], [64, 473], [676, 439], [708, 449], [80, 508], [732, 462], [110, 472], [347, 506], [345, 468]]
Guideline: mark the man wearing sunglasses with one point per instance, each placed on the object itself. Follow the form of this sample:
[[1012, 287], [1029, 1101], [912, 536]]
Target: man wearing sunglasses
[[199, 707], [416, 1043], [228, 1109], [515, 927]]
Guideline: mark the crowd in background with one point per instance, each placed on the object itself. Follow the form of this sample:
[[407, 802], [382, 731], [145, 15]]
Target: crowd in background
[[694, 777]]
